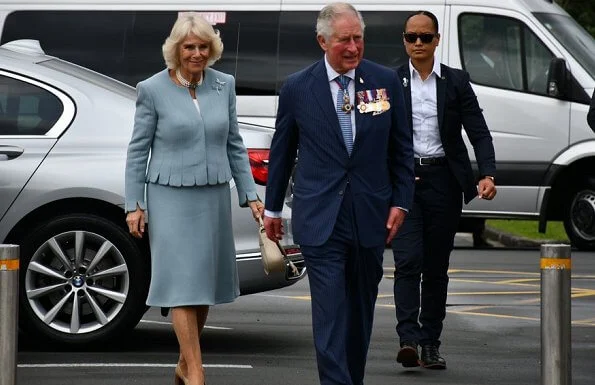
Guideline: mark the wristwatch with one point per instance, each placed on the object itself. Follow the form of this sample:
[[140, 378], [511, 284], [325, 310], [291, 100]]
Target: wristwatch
[[489, 177]]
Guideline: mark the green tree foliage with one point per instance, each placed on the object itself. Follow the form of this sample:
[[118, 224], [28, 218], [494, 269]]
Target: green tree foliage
[[582, 11]]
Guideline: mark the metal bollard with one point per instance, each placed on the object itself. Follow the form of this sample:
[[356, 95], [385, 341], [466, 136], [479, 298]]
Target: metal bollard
[[9, 299], [555, 315]]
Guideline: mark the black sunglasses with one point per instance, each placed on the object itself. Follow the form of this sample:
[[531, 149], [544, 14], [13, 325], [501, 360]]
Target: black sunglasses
[[424, 37]]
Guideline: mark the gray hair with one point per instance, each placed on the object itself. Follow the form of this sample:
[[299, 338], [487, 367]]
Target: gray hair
[[191, 23], [330, 13]]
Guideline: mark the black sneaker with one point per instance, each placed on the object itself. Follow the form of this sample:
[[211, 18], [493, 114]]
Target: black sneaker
[[430, 357], [408, 356]]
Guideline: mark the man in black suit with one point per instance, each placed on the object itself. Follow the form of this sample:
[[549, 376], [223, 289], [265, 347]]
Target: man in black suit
[[591, 114], [439, 100]]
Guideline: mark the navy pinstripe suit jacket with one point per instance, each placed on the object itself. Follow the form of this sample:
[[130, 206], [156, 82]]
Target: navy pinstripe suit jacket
[[379, 170]]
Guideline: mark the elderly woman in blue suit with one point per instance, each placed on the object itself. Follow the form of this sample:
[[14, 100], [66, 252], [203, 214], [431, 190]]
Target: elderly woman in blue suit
[[186, 119]]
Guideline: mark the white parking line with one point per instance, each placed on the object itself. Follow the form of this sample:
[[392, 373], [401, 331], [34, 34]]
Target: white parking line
[[126, 365], [146, 321]]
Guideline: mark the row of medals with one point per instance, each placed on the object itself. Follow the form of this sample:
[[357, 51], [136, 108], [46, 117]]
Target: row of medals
[[376, 106]]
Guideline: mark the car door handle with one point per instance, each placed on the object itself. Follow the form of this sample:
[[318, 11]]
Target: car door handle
[[10, 152]]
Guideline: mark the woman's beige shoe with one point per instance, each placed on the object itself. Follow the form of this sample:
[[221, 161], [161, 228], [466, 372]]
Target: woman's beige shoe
[[179, 378]]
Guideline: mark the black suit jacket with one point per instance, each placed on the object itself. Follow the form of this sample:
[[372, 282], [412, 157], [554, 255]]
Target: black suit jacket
[[591, 115], [458, 107]]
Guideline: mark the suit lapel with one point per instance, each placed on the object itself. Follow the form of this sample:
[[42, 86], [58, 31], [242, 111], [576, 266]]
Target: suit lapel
[[320, 88], [360, 85], [405, 76], [441, 95]]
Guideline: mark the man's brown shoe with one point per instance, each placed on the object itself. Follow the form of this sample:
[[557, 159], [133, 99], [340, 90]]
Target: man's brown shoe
[[408, 356]]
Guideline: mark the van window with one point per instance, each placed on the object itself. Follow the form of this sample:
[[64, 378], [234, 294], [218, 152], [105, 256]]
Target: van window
[[126, 45], [502, 52], [26, 109], [298, 47]]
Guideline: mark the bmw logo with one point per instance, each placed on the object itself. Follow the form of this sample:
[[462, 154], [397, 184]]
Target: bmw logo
[[78, 281]]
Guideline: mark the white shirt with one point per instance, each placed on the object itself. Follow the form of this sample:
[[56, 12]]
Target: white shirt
[[332, 75], [424, 113]]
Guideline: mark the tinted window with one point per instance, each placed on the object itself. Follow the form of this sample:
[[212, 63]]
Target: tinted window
[[26, 109], [126, 45], [502, 52], [298, 47]]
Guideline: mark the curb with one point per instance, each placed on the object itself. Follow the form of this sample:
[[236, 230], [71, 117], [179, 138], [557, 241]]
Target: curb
[[510, 240]]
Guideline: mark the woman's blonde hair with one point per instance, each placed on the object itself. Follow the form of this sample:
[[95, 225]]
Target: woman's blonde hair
[[191, 23]]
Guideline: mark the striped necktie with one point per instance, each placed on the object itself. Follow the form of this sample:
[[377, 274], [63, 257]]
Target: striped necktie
[[344, 117]]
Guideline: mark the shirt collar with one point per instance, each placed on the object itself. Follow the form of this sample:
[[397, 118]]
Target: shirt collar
[[332, 74], [435, 69]]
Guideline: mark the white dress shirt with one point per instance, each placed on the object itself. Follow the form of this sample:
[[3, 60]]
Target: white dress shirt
[[332, 75], [424, 113]]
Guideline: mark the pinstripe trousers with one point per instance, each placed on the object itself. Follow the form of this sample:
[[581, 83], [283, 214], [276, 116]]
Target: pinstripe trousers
[[344, 280]]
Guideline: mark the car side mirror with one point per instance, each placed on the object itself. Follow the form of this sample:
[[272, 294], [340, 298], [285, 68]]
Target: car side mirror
[[557, 78]]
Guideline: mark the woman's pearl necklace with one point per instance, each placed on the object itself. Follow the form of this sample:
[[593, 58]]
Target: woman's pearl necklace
[[185, 82]]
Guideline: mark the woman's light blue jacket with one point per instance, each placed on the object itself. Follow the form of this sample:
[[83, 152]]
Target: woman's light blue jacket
[[186, 148]]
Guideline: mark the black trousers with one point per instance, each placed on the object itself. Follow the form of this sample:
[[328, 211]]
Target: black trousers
[[344, 279], [421, 251]]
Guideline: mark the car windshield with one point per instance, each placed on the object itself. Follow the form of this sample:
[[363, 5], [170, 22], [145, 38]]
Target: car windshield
[[573, 37], [90, 76]]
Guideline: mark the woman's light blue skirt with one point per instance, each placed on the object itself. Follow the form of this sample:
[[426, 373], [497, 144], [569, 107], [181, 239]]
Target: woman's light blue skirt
[[193, 257]]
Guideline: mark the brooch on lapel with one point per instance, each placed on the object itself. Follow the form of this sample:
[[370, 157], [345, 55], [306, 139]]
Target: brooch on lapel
[[218, 85], [405, 82], [374, 101]]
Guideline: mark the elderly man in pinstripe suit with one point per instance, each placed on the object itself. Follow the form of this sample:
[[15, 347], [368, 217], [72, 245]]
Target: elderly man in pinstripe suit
[[353, 185]]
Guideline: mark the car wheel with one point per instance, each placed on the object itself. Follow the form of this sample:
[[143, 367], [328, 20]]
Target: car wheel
[[83, 280], [579, 217]]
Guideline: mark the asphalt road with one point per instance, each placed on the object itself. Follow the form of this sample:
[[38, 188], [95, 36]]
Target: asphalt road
[[491, 336]]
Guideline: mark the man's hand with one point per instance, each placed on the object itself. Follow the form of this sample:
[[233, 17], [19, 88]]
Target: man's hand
[[396, 216], [274, 228], [486, 188]]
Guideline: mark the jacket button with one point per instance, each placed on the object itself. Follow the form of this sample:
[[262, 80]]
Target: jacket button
[[341, 192]]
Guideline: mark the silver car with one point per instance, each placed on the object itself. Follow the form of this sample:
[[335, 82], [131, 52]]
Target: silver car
[[63, 135]]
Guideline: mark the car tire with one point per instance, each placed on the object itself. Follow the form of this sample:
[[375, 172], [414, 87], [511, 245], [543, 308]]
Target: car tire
[[579, 216], [83, 280]]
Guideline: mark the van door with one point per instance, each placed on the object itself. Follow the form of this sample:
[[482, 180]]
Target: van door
[[29, 115], [508, 59], [126, 44]]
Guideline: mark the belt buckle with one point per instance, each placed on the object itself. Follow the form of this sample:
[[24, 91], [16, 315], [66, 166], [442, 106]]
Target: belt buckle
[[420, 161]]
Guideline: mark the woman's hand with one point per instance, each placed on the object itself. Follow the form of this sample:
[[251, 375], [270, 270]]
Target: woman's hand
[[136, 222], [257, 208]]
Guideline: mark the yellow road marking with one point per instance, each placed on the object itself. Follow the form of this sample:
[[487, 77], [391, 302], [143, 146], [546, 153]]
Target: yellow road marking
[[491, 282], [494, 293], [522, 280]]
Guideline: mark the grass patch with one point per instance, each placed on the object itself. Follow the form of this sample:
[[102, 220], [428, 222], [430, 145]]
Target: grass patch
[[528, 229]]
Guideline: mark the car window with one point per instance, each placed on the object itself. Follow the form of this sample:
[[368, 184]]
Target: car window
[[126, 45], [26, 109], [298, 47], [502, 52]]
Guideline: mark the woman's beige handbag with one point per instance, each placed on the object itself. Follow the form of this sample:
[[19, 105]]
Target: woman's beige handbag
[[273, 255]]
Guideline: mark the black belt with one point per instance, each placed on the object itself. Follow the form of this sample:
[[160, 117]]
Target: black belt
[[430, 161]]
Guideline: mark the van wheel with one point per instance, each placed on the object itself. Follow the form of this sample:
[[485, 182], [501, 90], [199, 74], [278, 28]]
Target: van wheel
[[83, 280], [579, 217]]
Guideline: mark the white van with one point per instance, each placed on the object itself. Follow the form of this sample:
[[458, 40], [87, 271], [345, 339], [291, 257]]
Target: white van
[[536, 109]]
